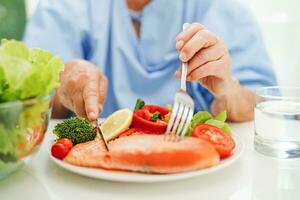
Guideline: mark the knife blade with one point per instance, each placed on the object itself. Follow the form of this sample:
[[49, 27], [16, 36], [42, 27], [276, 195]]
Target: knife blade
[[99, 130]]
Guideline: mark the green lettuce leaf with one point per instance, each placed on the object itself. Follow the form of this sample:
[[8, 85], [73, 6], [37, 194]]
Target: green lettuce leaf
[[26, 73], [222, 116], [227, 129], [215, 123]]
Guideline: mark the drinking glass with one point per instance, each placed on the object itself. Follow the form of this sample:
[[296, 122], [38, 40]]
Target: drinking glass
[[277, 122]]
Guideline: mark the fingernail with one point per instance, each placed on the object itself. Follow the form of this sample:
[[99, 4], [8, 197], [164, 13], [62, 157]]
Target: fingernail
[[182, 56], [179, 44], [92, 115]]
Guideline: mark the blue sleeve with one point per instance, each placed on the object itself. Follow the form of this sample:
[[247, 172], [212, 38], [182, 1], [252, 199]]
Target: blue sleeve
[[60, 27], [234, 24]]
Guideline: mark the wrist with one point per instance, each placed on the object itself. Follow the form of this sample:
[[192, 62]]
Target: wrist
[[239, 103], [230, 87]]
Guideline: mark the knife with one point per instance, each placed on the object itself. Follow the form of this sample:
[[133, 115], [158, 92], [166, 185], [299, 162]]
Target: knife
[[99, 130]]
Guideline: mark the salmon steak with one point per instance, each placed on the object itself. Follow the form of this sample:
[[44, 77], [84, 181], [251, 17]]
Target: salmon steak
[[145, 153]]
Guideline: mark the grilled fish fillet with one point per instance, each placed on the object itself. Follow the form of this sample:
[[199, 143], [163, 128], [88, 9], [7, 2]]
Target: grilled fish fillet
[[145, 153]]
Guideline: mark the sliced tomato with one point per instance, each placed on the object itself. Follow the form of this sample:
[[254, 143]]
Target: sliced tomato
[[141, 119], [222, 142]]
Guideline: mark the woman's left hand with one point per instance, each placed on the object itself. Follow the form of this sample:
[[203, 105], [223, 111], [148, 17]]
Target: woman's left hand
[[207, 59]]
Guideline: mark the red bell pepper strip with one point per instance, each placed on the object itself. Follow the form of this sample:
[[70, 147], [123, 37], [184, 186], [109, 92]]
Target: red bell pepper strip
[[141, 119]]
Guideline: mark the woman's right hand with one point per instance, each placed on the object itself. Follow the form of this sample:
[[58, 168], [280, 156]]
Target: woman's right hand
[[83, 89]]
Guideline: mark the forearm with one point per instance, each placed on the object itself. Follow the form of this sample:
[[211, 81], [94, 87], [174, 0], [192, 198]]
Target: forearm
[[239, 103]]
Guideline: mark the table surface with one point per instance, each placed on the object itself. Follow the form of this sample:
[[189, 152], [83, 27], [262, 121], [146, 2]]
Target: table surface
[[253, 176]]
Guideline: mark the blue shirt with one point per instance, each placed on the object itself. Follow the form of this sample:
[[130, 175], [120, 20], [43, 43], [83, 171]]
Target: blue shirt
[[101, 31]]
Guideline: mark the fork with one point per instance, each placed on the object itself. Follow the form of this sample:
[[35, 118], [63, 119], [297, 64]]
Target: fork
[[183, 108]]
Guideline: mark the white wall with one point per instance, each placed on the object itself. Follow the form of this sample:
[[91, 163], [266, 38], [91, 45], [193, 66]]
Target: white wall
[[280, 24]]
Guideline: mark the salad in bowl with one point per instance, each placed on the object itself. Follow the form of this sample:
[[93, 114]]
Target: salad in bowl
[[27, 80]]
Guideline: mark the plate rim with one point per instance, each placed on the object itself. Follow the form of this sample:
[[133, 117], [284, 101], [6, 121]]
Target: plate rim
[[135, 177]]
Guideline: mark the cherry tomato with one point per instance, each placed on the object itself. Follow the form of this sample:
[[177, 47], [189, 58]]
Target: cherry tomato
[[222, 142], [59, 151], [61, 148], [66, 142]]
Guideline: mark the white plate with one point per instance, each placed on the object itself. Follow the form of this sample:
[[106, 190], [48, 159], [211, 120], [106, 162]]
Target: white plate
[[147, 178]]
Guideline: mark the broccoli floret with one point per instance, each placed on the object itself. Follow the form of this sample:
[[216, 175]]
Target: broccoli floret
[[77, 129]]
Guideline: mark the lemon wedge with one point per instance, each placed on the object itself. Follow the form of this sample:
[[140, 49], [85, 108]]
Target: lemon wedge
[[116, 123]]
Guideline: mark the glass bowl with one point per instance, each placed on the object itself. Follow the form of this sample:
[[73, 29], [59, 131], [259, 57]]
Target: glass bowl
[[22, 128]]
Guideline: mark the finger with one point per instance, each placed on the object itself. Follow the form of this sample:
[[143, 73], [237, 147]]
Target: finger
[[189, 32], [213, 68], [206, 55], [91, 98], [200, 40], [178, 75], [103, 85], [78, 105], [179, 45]]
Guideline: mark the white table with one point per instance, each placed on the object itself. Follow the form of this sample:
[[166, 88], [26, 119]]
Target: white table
[[253, 176]]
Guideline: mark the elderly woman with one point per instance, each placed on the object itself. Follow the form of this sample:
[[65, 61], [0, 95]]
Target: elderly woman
[[119, 50]]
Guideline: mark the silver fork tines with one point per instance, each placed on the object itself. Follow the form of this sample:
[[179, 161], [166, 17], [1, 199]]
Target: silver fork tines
[[183, 109], [182, 114]]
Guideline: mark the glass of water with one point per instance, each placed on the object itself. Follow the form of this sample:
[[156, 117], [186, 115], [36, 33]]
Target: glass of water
[[277, 122]]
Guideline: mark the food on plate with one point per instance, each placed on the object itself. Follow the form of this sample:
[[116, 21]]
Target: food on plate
[[136, 142], [61, 148], [116, 123], [204, 117], [77, 129], [140, 103], [148, 119], [146, 153], [221, 141], [66, 142]]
